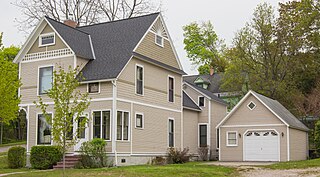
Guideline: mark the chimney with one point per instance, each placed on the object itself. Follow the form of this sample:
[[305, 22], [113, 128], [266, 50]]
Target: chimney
[[71, 23], [211, 71]]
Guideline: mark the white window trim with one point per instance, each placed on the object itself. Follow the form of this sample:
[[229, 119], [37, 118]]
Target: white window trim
[[51, 142], [135, 122], [98, 89], [199, 133], [45, 35], [204, 101], [227, 142], [168, 87], [129, 126], [162, 41], [101, 110], [174, 132], [75, 124], [38, 78], [255, 105], [135, 81]]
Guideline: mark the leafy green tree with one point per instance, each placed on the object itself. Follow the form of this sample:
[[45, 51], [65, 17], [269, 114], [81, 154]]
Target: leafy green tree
[[204, 47], [9, 84], [69, 105], [9, 53]]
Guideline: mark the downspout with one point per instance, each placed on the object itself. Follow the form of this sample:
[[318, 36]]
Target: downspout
[[114, 119], [209, 129]]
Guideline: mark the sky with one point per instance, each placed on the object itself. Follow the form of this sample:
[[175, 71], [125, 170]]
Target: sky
[[227, 16]]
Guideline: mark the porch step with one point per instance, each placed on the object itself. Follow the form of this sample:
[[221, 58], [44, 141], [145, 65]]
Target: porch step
[[70, 162]]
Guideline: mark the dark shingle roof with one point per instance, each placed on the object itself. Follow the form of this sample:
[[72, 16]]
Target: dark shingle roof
[[282, 112], [113, 44], [188, 103], [214, 80], [78, 41], [207, 93]]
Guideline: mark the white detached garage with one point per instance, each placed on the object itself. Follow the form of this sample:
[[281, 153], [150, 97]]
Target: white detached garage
[[261, 129]]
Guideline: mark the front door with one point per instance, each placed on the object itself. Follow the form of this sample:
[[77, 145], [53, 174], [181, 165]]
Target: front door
[[83, 133]]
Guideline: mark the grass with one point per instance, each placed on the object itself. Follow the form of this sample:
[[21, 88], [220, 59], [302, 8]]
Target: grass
[[4, 167], [14, 144], [295, 164], [192, 169]]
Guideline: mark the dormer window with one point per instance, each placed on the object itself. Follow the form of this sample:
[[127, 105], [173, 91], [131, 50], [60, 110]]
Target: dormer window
[[159, 40], [47, 39]]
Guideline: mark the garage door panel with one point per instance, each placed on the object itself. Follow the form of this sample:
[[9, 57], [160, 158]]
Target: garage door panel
[[261, 146]]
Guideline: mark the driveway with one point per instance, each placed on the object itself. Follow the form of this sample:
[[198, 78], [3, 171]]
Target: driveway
[[252, 169], [6, 148]]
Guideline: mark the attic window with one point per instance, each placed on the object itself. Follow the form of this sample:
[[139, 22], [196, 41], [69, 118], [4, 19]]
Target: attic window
[[47, 39], [159, 40], [251, 105]]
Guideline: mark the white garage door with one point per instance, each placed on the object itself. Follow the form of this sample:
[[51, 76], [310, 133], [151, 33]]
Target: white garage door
[[261, 146]]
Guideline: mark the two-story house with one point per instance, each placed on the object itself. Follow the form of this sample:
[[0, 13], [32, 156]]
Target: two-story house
[[132, 74]]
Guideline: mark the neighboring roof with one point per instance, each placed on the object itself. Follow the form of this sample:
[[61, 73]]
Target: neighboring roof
[[282, 112], [275, 107], [189, 103], [79, 41], [207, 93], [150, 60], [113, 44], [214, 80]]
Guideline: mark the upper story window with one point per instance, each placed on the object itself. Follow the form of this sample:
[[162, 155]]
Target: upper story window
[[47, 39], [45, 79], [159, 40], [139, 79], [171, 89], [94, 87], [201, 101]]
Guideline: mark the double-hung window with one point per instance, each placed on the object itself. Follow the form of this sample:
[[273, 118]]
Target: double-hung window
[[81, 128], [232, 139], [45, 79], [122, 125], [139, 80], [159, 40], [203, 136], [171, 89], [139, 120], [44, 129], [171, 133], [101, 124], [201, 101]]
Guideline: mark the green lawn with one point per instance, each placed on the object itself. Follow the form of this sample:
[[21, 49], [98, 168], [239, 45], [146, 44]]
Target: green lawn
[[295, 164], [14, 144], [192, 169], [4, 167]]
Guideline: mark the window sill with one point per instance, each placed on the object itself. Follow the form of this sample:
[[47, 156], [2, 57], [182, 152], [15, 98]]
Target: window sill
[[46, 45], [124, 141], [230, 145], [162, 46], [141, 95], [138, 128]]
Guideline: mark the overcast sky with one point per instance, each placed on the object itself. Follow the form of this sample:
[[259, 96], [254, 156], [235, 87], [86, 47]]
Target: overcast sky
[[227, 16]]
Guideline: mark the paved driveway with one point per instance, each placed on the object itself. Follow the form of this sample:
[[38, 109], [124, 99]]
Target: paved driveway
[[239, 164], [6, 148]]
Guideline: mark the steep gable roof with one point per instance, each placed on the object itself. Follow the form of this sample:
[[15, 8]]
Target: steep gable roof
[[113, 44], [78, 41], [275, 107], [189, 103]]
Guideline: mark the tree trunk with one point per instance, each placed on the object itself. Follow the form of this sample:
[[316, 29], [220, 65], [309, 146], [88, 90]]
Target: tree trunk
[[1, 132]]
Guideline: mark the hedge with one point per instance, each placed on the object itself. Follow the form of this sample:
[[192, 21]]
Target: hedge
[[44, 157], [17, 157]]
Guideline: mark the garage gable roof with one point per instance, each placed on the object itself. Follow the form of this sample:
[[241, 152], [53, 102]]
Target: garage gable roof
[[275, 107]]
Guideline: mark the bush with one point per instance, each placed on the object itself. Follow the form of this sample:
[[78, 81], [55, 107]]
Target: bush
[[93, 154], [17, 157], [203, 153], [177, 156], [158, 161], [44, 157]]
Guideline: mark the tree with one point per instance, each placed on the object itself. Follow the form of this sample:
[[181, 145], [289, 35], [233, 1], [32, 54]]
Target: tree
[[84, 12], [203, 47], [259, 56], [9, 84], [69, 105]]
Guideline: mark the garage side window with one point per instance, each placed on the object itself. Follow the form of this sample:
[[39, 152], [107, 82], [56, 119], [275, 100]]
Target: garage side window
[[232, 139]]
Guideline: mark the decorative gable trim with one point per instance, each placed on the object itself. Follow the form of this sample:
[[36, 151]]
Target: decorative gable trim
[[160, 18], [159, 29], [241, 102], [34, 36]]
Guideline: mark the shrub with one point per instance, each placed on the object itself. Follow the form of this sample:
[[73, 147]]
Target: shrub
[[93, 154], [158, 161], [203, 153], [178, 156], [44, 157], [17, 157]]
